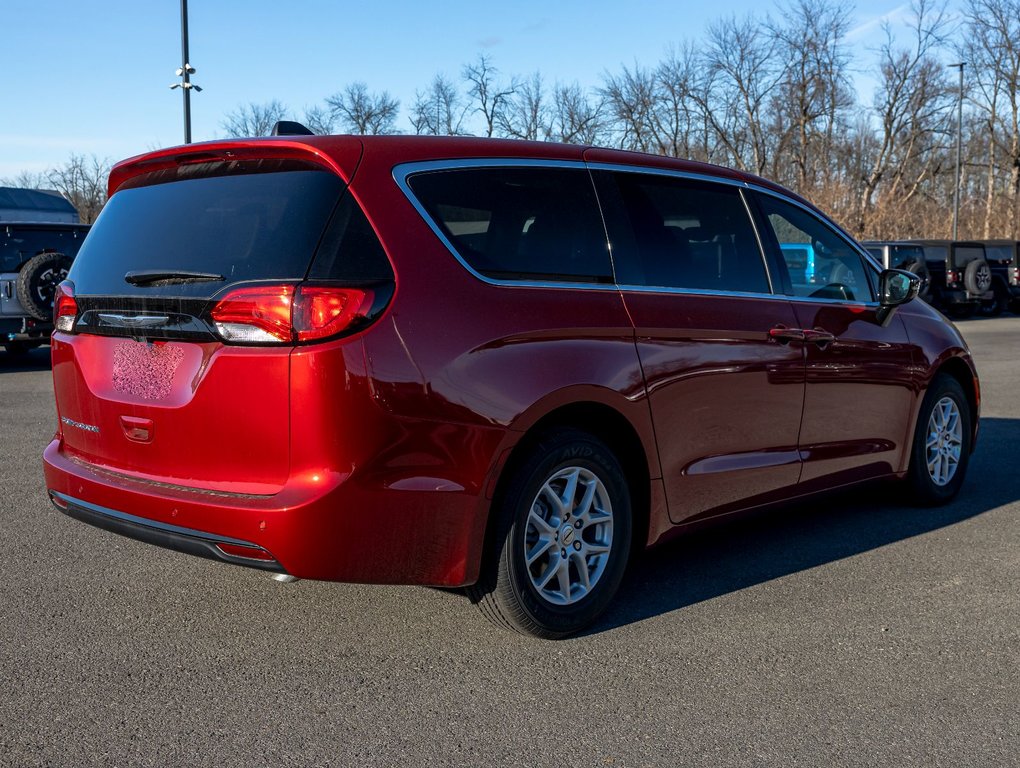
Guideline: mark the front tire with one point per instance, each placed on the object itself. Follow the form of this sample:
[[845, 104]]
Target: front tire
[[942, 442], [563, 538]]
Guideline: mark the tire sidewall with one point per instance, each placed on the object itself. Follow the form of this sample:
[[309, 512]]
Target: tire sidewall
[[565, 449], [28, 282], [925, 489]]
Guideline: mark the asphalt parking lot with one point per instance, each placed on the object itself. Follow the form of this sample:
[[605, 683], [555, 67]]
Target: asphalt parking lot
[[850, 631]]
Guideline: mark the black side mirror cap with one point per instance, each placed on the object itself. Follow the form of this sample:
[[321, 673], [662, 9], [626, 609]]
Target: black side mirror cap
[[895, 287]]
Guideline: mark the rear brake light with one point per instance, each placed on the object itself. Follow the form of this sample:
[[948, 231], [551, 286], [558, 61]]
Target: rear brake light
[[282, 314], [320, 311], [1014, 275], [65, 308], [952, 277]]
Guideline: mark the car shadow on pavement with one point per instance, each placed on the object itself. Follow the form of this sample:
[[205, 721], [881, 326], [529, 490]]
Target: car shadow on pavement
[[769, 545], [34, 360]]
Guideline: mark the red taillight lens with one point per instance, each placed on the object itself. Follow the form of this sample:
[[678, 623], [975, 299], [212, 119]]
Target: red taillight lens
[[282, 314], [322, 311], [65, 308], [259, 314], [951, 277]]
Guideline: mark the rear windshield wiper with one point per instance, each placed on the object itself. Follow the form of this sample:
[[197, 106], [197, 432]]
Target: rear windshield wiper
[[169, 277]]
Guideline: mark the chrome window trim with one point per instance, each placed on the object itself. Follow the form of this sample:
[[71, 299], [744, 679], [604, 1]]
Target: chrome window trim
[[403, 171]]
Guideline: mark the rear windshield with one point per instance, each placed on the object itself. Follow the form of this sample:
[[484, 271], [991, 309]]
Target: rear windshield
[[243, 226], [964, 254], [999, 252]]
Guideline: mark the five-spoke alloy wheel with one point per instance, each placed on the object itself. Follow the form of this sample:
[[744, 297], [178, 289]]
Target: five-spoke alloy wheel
[[563, 537], [941, 447]]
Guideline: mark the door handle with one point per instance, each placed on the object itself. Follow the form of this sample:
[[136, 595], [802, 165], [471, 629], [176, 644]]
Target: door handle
[[821, 338], [785, 335]]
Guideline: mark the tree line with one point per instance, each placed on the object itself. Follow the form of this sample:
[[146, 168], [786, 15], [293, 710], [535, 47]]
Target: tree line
[[773, 95]]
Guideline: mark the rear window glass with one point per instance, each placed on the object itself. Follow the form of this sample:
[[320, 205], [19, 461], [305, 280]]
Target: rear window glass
[[935, 252], [999, 252], [520, 223], [965, 254], [252, 226], [905, 255]]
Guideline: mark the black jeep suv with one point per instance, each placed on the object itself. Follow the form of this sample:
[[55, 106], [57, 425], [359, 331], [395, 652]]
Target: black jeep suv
[[961, 279], [40, 234]]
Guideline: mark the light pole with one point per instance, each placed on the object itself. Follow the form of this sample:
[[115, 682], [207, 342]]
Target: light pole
[[959, 145], [185, 71]]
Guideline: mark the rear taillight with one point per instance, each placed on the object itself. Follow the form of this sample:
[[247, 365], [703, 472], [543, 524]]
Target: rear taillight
[[65, 308], [320, 311], [1014, 275], [952, 277], [283, 314]]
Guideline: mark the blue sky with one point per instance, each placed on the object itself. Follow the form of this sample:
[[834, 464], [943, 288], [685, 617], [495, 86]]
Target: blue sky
[[93, 77]]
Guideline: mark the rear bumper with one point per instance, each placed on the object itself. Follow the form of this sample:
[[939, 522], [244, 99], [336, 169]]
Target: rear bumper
[[170, 536], [334, 530]]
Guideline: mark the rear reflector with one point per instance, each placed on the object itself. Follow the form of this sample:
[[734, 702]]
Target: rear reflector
[[249, 553], [65, 308], [283, 314]]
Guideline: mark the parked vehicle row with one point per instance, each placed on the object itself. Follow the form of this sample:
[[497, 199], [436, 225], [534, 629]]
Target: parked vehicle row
[[478, 363], [959, 277], [40, 234]]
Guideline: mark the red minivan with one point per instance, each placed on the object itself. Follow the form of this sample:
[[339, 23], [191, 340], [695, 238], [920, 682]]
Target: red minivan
[[476, 363]]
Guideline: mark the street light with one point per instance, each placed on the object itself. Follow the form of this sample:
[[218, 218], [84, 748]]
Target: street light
[[959, 144], [185, 71]]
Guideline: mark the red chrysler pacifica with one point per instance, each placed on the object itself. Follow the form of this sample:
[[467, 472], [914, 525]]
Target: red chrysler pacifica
[[474, 363]]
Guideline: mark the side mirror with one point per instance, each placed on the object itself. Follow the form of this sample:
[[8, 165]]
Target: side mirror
[[895, 287]]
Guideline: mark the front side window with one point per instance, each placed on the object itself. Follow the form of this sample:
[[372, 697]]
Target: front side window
[[820, 262], [516, 223], [689, 234]]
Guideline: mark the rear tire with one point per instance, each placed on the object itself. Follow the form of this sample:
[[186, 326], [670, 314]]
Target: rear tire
[[997, 305], [942, 441], [563, 535]]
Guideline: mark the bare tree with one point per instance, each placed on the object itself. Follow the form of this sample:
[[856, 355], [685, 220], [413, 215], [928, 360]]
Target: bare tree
[[439, 110], [491, 96], [630, 101], [576, 118], [526, 115], [250, 120], [27, 180], [320, 120], [912, 104], [82, 180], [364, 112], [992, 49], [743, 71], [814, 93]]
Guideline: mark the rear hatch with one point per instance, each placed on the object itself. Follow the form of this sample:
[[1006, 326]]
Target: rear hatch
[[155, 378]]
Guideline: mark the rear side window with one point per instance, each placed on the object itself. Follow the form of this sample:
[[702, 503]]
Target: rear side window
[[520, 223], [243, 226], [689, 234]]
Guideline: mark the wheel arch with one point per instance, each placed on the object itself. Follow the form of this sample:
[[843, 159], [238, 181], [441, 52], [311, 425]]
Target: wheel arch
[[604, 421], [958, 368]]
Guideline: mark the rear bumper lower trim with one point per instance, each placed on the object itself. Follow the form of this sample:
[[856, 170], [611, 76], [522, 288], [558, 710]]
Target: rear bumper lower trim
[[173, 537]]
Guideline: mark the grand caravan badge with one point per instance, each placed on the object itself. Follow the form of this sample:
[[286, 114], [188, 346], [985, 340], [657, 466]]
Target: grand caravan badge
[[79, 425]]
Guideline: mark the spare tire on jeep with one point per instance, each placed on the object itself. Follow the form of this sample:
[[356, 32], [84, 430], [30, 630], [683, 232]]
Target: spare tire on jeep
[[977, 277], [920, 268], [37, 282]]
